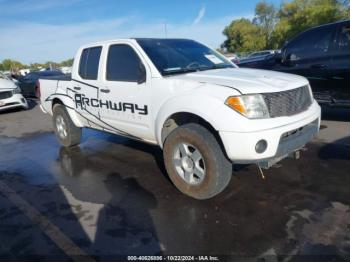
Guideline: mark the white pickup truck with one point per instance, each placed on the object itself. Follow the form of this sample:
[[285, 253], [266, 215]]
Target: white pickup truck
[[201, 109]]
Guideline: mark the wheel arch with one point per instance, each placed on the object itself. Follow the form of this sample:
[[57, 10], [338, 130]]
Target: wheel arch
[[70, 109], [56, 101], [183, 117]]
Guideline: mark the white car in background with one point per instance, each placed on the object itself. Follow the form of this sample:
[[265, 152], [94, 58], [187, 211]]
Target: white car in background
[[10, 95]]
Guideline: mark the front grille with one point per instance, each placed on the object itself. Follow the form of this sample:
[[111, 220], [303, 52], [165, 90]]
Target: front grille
[[288, 103], [6, 94]]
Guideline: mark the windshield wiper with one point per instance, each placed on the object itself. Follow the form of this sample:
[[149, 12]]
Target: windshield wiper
[[194, 69], [216, 67], [180, 71]]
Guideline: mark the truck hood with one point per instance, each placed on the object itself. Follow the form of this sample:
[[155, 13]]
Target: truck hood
[[247, 81], [6, 84]]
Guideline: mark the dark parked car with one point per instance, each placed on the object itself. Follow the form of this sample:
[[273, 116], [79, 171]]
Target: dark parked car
[[322, 54], [28, 82]]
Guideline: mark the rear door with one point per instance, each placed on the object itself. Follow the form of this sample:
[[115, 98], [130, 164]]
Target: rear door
[[125, 95], [340, 72], [310, 55], [84, 89]]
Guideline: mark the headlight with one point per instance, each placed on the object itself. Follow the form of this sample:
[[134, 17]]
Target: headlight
[[17, 90], [251, 106]]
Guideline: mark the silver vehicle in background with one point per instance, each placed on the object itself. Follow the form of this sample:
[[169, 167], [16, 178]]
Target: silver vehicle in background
[[258, 56], [261, 53], [10, 94]]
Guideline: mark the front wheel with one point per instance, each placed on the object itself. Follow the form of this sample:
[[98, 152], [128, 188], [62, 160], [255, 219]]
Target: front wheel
[[67, 133], [195, 162]]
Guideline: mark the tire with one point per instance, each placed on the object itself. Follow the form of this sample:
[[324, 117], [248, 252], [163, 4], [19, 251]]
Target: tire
[[182, 144], [67, 133]]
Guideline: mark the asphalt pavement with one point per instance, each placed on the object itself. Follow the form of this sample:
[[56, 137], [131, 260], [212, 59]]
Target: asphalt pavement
[[111, 196]]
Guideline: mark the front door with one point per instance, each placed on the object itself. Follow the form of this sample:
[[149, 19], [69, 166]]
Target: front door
[[124, 93], [310, 55]]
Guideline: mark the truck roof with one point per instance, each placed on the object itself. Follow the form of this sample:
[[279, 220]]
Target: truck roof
[[328, 24], [130, 40]]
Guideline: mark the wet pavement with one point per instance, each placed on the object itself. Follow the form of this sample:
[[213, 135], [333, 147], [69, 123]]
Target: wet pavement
[[111, 196]]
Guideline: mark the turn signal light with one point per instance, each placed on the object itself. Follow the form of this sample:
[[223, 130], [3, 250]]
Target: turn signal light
[[235, 103]]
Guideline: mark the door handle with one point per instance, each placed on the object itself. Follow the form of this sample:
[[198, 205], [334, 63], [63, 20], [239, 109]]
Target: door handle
[[318, 66], [105, 90], [77, 88]]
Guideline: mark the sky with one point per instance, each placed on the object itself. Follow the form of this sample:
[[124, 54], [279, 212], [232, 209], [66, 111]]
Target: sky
[[52, 30]]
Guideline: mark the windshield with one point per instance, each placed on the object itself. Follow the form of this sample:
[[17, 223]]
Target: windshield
[[176, 56]]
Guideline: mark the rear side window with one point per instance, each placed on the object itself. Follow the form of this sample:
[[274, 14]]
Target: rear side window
[[314, 43], [89, 61], [344, 39], [123, 64]]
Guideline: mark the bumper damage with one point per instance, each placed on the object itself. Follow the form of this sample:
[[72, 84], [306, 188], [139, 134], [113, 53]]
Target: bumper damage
[[269, 146], [291, 143]]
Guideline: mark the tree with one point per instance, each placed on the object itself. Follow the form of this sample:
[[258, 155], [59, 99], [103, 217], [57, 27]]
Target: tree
[[35, 66], [11, 65], [265, 18], [243, 36], [299, 15], [68, 62], [271, 28]]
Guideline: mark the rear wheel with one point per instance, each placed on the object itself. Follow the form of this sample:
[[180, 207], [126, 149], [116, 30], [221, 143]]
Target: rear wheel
[[195, 162], [67, 133]]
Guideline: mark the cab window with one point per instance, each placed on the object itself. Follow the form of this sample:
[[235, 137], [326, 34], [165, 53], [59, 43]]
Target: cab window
[[89, 62], [313, 43], [123, 64]]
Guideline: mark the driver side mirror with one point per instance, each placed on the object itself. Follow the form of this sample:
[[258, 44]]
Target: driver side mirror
[[278, 58], [290, 59], [142, 74]]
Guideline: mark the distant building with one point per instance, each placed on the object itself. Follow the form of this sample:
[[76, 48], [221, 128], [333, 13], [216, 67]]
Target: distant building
[[66, 69]]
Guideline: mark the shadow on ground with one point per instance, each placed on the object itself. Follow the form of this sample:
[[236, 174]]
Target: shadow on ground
[[339, 149], [335, 114]]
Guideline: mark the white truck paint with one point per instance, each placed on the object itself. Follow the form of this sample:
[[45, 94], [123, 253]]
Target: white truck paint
[[144, 109]]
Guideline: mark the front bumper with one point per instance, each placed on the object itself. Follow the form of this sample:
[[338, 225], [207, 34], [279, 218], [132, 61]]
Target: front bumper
[[14, 101], [281, 141]]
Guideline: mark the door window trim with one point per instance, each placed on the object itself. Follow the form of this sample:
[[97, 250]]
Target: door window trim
[[99, 62], [332, 45]]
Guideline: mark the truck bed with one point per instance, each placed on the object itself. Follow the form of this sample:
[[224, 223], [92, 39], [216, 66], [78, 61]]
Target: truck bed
[[49, 86]]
